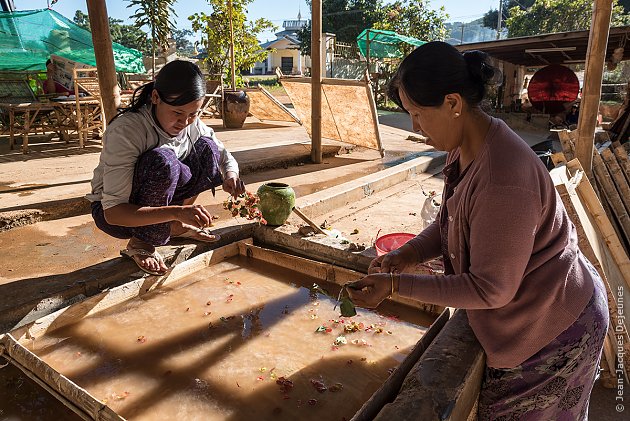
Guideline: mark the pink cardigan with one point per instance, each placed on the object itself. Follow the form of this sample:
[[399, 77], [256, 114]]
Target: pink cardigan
[[518, 270]]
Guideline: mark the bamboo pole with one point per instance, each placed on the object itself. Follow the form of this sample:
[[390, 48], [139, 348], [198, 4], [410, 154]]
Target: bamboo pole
[[316, 82], [622, 157], [609, 190], [617, 175], [367, 49], [104, 52], [567, 145], [591, 93], [232, 60]]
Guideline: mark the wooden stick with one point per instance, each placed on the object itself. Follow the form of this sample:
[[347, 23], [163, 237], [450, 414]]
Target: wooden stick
[[567, 145], [306, 219], [617, 175], [372, 104], [622, 157], [611, 193]]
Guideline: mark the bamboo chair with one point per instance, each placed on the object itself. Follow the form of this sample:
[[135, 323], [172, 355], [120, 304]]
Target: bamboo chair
[[90, 113]]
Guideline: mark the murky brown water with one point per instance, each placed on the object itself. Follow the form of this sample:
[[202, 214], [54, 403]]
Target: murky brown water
[[217, 345], [21, 399]]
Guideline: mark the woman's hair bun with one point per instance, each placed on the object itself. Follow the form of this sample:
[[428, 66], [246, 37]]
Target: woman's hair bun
[[481, 69]]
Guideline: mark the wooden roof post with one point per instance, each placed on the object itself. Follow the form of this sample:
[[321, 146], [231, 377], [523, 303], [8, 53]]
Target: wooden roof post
[[316, 82], [104, 52], [232, 61], [592, 88]]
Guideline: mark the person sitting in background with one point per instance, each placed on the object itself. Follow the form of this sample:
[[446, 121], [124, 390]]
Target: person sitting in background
[[51, 86], [572, 116]]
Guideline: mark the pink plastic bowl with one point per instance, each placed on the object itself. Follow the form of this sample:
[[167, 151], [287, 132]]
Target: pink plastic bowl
[[390, 242]]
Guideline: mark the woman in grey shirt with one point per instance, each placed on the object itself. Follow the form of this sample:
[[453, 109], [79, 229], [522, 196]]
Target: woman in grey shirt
[[157, 157]]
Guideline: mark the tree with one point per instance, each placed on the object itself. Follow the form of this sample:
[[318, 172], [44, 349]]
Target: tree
[[182, 42], [414, 18], [155, 14], [82, 20], [215, 36], [491, 18], [344, 18], [129, 36], [549, 16]]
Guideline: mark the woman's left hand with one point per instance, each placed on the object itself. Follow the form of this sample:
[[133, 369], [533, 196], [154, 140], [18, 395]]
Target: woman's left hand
[[370, 291], [234, 186]]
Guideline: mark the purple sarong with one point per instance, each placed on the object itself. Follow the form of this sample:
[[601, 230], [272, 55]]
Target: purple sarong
[[160, 179], [556, 382]]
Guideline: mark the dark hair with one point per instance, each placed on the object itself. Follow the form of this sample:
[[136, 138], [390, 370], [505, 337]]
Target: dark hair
[[436, 69], [48, 62], [179, 82]]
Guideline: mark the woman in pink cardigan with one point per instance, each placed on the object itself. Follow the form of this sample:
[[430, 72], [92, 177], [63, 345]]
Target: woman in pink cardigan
[[511, 255]]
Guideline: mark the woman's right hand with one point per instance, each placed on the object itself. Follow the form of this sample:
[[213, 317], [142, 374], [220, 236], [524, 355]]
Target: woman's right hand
[[396, 261], [195, 215]]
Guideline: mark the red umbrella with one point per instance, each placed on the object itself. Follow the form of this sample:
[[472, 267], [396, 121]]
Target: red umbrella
[[552, 87]]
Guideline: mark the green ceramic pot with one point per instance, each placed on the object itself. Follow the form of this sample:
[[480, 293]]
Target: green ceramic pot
[[276, 202]]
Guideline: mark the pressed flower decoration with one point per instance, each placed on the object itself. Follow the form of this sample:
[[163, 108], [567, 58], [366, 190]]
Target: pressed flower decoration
[[245, 206]]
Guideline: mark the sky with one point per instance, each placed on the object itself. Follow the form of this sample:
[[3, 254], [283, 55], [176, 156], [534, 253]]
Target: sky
[[276, 11]]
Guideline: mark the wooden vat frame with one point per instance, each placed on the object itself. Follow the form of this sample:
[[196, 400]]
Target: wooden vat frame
[[89, 408]]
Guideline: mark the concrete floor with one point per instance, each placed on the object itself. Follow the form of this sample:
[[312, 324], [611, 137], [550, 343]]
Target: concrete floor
[[60, 250]]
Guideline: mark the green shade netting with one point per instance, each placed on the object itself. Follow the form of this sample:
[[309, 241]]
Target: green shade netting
[[384, 44], [29, 37]]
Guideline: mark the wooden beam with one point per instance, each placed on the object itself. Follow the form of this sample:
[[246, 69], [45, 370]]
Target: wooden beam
[[104, 52], [232, 60], [592, 90], [316, 82]]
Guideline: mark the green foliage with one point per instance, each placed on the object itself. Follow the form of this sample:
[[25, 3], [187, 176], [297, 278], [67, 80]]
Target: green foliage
[[348, 18], [128, 35], [344, 18], [414, 18], [549, 16], [82, 20], [157, 16], [215, 36], [182, 42], [491, 18]]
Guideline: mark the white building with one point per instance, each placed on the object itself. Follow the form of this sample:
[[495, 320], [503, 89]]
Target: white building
[[284, 51]]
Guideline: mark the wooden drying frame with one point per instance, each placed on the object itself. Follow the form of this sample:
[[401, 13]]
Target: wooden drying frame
[[363, 83], [284, 111], [73, 397], [89, 408]]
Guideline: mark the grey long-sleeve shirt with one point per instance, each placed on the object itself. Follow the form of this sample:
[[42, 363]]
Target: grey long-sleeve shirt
[[128, 137]]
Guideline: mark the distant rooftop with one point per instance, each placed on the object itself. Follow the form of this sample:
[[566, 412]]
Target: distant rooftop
[[294, 25]]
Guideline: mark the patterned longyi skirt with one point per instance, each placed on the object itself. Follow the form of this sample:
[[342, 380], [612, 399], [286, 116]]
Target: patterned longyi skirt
[[555, 383]]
